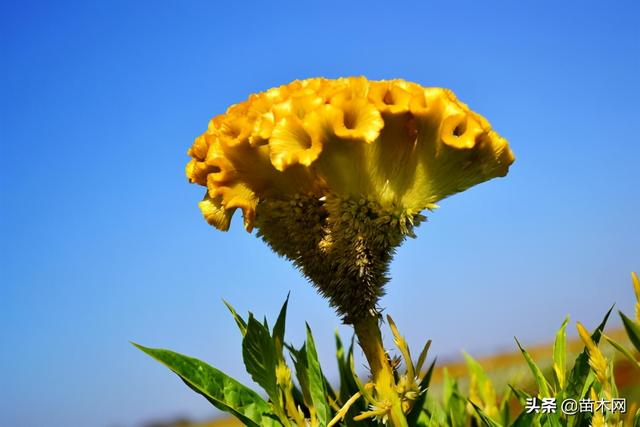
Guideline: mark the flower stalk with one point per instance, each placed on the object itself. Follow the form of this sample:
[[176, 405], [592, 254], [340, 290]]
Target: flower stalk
[[388, 402]]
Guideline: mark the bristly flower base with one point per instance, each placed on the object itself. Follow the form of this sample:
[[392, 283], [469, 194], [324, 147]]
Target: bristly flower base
[[343, 246]]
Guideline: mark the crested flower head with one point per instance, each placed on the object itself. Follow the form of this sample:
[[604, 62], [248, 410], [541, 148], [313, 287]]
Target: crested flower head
[[318, 161]]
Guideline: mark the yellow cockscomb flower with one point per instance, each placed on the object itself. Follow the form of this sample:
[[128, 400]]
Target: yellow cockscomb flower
[[335, 170], [597, 361]]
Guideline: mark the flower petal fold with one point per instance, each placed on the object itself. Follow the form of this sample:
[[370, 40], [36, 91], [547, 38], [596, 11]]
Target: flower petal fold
[[394, 142]]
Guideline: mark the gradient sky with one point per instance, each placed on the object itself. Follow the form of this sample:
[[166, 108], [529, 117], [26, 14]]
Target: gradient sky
[[101, 240]]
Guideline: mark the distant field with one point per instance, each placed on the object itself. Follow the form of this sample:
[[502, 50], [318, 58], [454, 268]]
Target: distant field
[[503, 368]]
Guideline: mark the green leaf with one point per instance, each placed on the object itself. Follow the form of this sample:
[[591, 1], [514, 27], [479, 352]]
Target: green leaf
[[301, 367], [484, 385], [422, 357], [505, 410], [612, 379], [348, 387], [310, 378], [560, 354], [317, 387], [524, 419], [622, 350], [425, 421], [242, 325], [436, 413], [520, 394], [633, 330], [454, 402], [485, 419], [278, 330], [416, 410], [537, 372], [259, 355], [222, 391], [551, 420], [367, 395], [401, 344], [580, 371], [588, 382]]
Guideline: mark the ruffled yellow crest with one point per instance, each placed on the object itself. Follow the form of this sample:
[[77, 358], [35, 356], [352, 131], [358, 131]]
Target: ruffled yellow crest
[[394, 142]]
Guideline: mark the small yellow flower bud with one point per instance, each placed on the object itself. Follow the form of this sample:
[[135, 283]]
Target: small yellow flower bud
[[283, 375]]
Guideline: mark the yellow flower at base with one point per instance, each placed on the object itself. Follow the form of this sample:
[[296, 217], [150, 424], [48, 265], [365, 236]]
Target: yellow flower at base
[[334, 173]]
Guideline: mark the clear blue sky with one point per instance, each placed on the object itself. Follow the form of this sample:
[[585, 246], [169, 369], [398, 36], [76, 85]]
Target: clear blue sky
[[101, 240]]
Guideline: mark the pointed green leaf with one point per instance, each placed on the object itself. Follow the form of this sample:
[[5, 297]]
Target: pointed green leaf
[[520, 394], [622, 350], [401, 344], [633, 330], [580, 371], [524, 419], [278, 330], [221, 390], [435, 413], [426, 380], [537, 372], [301, 367], [317, 388], [310, 378], [367, 395], [260, 359], [347, 386], [612, 379], [416, 410], [424, 420], [242, 325], [454, 402], [560, 354], [505, 410], [591, 378], [484, 385], [422, 357], [448, 385], [485, 419], [551, 419]]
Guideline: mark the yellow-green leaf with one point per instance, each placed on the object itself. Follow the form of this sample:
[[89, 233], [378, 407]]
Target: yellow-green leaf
[[222, 391], [278, 330], [622, 350], [259, 355], [543, 385], [633, 330], [242, 325], [560, 354]]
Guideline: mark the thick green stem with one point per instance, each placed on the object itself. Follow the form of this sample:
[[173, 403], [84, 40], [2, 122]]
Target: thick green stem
[[370, 339], [396, 416], [291, 408]]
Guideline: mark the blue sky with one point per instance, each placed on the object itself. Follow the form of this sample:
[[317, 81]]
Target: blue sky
[[101, 240]]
